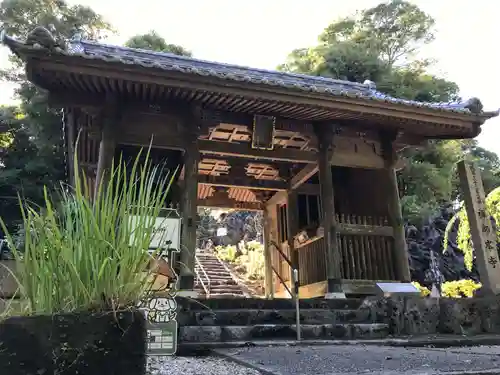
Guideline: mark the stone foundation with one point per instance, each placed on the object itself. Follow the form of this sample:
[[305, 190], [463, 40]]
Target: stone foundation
[[412, 316]]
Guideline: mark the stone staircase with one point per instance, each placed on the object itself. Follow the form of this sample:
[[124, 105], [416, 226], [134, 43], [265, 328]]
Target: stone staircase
[[240, 321], [215, 277]]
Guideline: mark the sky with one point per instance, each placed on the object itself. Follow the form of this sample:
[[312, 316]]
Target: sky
[[261, 33]]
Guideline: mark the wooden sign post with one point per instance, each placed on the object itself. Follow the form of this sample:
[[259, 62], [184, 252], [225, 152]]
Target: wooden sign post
[[482, 231]]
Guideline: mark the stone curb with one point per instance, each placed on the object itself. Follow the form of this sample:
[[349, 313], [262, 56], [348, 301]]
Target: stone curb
[[265, 371], [244, 363], [423, 342]]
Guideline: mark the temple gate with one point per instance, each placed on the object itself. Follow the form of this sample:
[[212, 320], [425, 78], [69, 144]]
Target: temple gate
[[317, 155]]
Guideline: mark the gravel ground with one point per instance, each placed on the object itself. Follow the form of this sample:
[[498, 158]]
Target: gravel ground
[[196, 366], [343, 360]]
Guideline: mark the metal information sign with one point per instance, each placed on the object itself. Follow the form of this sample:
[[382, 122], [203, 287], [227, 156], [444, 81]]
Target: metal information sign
[[160, 308], [162, 326]]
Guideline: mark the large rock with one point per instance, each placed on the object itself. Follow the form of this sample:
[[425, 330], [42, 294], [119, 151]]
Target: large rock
[[429, 239]]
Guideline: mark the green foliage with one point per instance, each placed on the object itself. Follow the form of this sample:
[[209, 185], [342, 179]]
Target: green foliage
[[226, 253], [248, 257], [31, 150], [396, 29], [380, 44], [154, 42], [82, 254], [464, 240]]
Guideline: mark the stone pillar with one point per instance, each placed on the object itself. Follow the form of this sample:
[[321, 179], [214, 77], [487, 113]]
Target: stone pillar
[[482, 231], [401, 265], [189, 204], [325, 133], [267, 253]]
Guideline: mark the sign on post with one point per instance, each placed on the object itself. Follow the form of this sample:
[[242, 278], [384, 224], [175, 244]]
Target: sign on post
[[482, 231], [161, 326], [160, 308]]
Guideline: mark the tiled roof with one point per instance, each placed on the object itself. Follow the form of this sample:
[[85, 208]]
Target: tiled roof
[[192, 66]]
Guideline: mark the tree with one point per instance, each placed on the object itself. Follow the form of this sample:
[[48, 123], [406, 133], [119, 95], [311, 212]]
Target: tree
[[381, 44], [395, 29], [34, 156], [154, 42]]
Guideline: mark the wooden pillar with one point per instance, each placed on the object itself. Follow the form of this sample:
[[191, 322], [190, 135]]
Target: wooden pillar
[[71, 135], [325, 134], [401, 265], [482, 231], [292, 225], [109, 120], [269, 287], [189, 202]]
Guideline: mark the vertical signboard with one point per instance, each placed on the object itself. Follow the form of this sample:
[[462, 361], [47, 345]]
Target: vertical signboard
[[160, 306], [162, 325], [482, 231]]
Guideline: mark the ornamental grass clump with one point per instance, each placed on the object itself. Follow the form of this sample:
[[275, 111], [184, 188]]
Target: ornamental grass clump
[[83, 253]]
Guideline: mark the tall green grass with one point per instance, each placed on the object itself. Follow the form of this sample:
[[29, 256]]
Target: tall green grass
[[83, 254]]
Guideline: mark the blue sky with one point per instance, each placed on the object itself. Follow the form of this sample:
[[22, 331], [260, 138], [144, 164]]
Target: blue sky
[[260, 33]]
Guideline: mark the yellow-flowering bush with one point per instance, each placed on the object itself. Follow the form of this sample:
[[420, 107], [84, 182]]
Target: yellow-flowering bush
[[459, 289], [464, 241], [250, 256], [424, 292], [226, 253]]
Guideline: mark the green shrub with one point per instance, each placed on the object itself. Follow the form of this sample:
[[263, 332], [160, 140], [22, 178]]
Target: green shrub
[[250, 257], [86, 255]]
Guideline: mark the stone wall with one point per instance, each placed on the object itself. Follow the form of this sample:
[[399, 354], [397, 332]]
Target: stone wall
[[412, 316]]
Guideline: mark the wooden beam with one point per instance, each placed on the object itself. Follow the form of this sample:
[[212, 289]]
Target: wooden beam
[[189, 201], [303, 175], [230, 204], [109, 118], [333, 272], [71, 128], [268, 262], [306, 237], [242, 150], [394, 207], [241, 182]]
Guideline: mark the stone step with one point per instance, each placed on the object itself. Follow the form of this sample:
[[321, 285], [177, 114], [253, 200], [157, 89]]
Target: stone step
[[244, 317], [225, 296], [225, 291], [217, 274], [213, 270], [210, 266], [271, 304], [214, 282], [210, 334]]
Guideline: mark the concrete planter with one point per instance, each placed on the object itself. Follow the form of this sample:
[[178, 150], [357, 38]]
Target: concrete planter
[[77, 343]]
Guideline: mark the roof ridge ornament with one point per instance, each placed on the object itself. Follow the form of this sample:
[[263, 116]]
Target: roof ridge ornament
[[371, 85], [474, 105], [42, 37]]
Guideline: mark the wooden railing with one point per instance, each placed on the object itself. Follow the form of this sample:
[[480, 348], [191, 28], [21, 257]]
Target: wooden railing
[[279, 271], [365, 245]]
